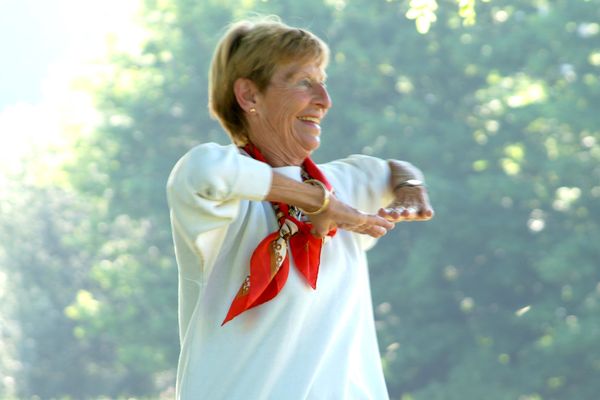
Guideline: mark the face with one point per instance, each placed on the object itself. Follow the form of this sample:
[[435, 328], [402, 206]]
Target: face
[[287, 125]]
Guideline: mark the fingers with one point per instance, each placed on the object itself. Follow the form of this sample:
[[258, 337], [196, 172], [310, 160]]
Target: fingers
[[374, 231], [394, 214], [399, 214], [375, 226], [342, 216], [426, 215], [410, 204], [378, 221]]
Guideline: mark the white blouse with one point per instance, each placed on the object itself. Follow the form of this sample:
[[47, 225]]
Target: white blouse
[[303, 344]]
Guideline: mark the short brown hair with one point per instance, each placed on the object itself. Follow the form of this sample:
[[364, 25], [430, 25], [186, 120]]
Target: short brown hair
[[253, 49]]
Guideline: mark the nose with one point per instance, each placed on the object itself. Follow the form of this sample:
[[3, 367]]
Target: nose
[[321, 97]]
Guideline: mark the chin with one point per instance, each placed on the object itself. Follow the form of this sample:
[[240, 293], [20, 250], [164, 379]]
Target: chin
[[310, 149], [307, 142], [313, 143]]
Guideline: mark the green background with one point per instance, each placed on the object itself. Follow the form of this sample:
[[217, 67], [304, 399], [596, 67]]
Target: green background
[[496, 298]]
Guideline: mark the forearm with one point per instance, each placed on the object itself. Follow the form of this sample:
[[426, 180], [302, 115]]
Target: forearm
[[289, 191]]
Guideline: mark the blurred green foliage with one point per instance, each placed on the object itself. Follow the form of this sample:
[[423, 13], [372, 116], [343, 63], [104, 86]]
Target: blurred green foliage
[[496, 298]]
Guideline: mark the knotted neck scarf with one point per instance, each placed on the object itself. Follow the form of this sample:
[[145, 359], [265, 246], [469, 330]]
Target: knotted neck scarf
[[270, 261]]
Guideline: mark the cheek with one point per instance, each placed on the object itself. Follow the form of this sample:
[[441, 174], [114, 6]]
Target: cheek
[[287, 110]]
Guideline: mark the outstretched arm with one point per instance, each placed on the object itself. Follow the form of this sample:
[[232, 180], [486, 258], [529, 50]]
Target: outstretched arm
[[337, 213]]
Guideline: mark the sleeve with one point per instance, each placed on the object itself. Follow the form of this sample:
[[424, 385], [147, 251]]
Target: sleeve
[[364, 180], [204, 191], [364, 183]]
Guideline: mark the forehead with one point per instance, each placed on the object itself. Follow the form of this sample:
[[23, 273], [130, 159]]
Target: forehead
[[289, 71]]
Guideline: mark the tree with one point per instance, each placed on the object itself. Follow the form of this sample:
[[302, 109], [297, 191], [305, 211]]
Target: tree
[[495, 298], [44, 263]]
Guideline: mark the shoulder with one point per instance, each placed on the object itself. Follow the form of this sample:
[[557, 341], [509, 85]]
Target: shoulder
[[207, 153], [362, 181], [217, 172], [204, 157], [212, 148]]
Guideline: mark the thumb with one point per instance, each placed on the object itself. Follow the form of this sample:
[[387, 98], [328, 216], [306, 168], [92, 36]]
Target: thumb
[[319, 230]]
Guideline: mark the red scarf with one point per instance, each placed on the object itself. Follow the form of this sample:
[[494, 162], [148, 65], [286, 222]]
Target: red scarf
[[269, 264]]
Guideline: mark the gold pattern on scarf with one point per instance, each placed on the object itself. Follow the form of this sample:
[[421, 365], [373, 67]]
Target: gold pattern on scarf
[[245, 287], [276, 258]]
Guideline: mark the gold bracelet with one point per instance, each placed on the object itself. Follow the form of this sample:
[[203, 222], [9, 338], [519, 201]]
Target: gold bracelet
[[326, 197]]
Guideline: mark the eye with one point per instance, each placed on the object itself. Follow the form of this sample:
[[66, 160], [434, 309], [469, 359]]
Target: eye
[[310, 83], [306, 83]]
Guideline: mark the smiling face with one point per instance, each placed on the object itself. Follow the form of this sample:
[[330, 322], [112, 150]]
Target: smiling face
[[286, 125]]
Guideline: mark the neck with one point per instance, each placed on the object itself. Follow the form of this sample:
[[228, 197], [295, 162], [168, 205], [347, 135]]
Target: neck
[[276, 156], [278, 160]]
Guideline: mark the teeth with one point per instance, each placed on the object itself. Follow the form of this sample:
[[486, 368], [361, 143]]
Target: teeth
[[311, 119]]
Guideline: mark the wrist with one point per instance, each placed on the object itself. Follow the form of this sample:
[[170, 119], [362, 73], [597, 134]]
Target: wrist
[[409, 183], [403, 174], [326, 197]]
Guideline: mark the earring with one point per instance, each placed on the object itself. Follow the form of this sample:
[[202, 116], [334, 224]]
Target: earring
[[252, 110]]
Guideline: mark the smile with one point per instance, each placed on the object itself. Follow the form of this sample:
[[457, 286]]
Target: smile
[[310, 119]]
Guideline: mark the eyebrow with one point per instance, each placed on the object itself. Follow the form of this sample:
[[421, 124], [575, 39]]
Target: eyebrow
[[293, 73]]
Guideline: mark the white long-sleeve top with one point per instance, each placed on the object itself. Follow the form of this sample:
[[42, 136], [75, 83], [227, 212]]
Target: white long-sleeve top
[[303, 344]]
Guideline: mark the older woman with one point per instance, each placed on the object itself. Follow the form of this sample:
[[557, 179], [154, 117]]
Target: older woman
[[274, 298]]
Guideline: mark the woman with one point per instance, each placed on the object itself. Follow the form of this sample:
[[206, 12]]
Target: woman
[[274, 298]]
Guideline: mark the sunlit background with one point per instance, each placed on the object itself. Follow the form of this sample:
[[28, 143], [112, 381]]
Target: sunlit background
[[46, 47], [497, 298]]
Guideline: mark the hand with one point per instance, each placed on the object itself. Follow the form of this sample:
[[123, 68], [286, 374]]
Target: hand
[[411, 203], [340, 215]]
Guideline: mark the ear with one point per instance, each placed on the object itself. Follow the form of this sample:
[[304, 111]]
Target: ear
[[245, 93]]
